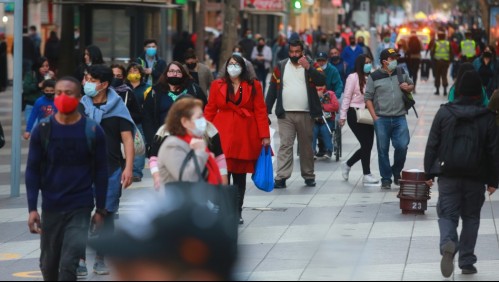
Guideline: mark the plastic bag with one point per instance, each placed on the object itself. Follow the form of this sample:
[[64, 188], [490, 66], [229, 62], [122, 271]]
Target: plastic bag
[[264, 171]]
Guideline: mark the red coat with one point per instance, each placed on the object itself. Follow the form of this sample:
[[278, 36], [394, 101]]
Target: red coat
[[241, 127]]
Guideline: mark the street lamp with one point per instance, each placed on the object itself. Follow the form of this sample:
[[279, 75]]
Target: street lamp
[[5, 19]]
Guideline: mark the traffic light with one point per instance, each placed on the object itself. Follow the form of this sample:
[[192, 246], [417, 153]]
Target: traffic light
[[180, 2], [297, 4]]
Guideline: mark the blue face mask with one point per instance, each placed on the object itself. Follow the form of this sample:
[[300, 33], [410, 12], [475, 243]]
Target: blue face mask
[[392, 65], [90, 89], [237, 54], [151, 52], [368, 68]]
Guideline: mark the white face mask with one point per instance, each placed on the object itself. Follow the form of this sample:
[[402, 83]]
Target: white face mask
[[234, 70], [200, 127]]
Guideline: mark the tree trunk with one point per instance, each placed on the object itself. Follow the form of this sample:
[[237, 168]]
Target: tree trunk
[[200, 23], [66, 56], [229, 37]]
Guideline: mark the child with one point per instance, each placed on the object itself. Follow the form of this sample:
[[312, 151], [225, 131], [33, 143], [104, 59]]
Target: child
[[330, 106], [44, 107]]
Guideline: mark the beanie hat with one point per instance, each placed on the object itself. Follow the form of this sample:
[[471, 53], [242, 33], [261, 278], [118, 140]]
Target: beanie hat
[[470, 84]]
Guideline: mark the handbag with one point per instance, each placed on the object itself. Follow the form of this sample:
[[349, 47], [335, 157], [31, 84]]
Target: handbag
[[139, 145], [364, 116], [264, 171], [2, 137]]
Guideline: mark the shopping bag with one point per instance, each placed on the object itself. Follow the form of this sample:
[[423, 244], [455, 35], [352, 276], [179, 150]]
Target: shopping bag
[[264, 171]]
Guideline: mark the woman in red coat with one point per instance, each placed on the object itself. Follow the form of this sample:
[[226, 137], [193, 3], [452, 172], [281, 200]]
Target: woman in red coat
[[237, 108]]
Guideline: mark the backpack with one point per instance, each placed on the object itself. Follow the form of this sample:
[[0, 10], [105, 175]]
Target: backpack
[[408, 98], [462, 153], [2, 137]]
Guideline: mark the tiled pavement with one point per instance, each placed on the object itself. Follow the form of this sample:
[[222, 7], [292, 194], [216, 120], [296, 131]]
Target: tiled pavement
[[337, 231]]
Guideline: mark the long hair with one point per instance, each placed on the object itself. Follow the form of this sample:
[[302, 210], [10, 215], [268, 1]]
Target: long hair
[[36, 67], [95, 55], [359, 69], [245, 76], [163, 80]]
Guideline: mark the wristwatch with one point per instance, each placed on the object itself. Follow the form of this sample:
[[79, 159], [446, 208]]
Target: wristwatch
[[102, 212]]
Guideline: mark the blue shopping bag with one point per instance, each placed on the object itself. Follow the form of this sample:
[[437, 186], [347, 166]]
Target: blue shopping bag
[[264, 171]]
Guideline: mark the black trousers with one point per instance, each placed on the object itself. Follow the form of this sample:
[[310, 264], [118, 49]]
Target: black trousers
[[64, 235], [460, 197], [106, 229], [365, 135], [413, 65], [239, 180]]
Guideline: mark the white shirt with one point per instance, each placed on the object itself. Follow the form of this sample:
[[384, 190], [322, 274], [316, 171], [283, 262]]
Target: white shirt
[[294, 92]]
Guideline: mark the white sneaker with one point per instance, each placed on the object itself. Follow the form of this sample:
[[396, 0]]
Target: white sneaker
[[370, 179], [345, 170]]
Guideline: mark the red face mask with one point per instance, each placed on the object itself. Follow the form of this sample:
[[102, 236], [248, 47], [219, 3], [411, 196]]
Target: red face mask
[[66, 104]]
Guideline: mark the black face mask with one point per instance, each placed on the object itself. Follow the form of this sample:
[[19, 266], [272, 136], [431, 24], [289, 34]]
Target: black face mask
[[335, 58], [117, 82], [49, 95], [323, 40], [175, 80], [487, 54], [294, 60], [192, 66]]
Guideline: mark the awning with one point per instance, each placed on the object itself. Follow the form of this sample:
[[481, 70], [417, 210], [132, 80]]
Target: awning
[[143, 3], [263, 7]]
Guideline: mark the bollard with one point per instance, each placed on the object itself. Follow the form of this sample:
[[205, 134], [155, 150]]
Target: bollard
[[414, 193]]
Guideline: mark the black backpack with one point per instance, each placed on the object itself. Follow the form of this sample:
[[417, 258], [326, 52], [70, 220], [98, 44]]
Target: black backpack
[[409, 101], [2, 137], [462, 153]]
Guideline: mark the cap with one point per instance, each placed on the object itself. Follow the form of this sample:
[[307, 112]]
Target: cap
[[390, 52], [322, 55], [191, 224]]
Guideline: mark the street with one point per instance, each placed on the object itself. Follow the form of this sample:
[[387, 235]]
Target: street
[[336, 231]]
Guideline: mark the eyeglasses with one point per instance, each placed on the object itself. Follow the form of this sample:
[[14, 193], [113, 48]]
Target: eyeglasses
[[174, 72]]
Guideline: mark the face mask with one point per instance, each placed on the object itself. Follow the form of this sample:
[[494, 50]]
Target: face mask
[[66, 104], [392, 65], [386, 40], [234, 71], [175, 80], [361, 43], [487, 54], [237, 54], [117, 82], [324, 66], [49, 95], [134, 77], [335, 58], [250, 36], [368, 68], [200, 127], [151, 52], [294, 60], [192, 66], [90, 89]]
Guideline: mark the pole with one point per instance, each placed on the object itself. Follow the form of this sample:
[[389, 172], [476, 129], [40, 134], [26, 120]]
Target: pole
[[285, 20], [15, 163]]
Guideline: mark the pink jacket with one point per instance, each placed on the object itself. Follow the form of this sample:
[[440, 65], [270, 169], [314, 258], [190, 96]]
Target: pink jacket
[[352, 97]]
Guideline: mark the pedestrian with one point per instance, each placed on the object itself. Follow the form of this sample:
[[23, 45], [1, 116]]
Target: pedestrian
[[384, 99], [336, 61], [462, 152], [184, 43], [52, 50], [280, 49], [3, 63], [126, 93], [262, 60], [487, 67], [353, 100], [237, 100], [44, 107], [102, 104], [186, 125], [366, 50], [452, 91], [386, 44], [415, 46], [247, 44], [362, 32], [71, 177], [175, 237], [350, 54], [238, 51], [33, 83], [91, 56], [37, 41], [323, 45], [29, 52], [468, 48], [338, 42], [324, 125], [152, 64], [293, 87], [441, 54], [174, 82], [135, 80], [333, 77], [200, 72]]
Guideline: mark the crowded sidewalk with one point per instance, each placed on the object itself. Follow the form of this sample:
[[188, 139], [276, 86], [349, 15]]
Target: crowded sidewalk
[[336, 231]]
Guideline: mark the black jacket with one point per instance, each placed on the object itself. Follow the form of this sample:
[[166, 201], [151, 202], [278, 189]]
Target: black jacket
[[488, 139], [313, 76], [157, 70]]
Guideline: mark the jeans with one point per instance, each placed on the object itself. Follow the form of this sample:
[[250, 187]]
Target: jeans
[[114, 191], [64, 235], [396, 130], [460, 197], [27, 113], [321, 131], [139, 162]]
